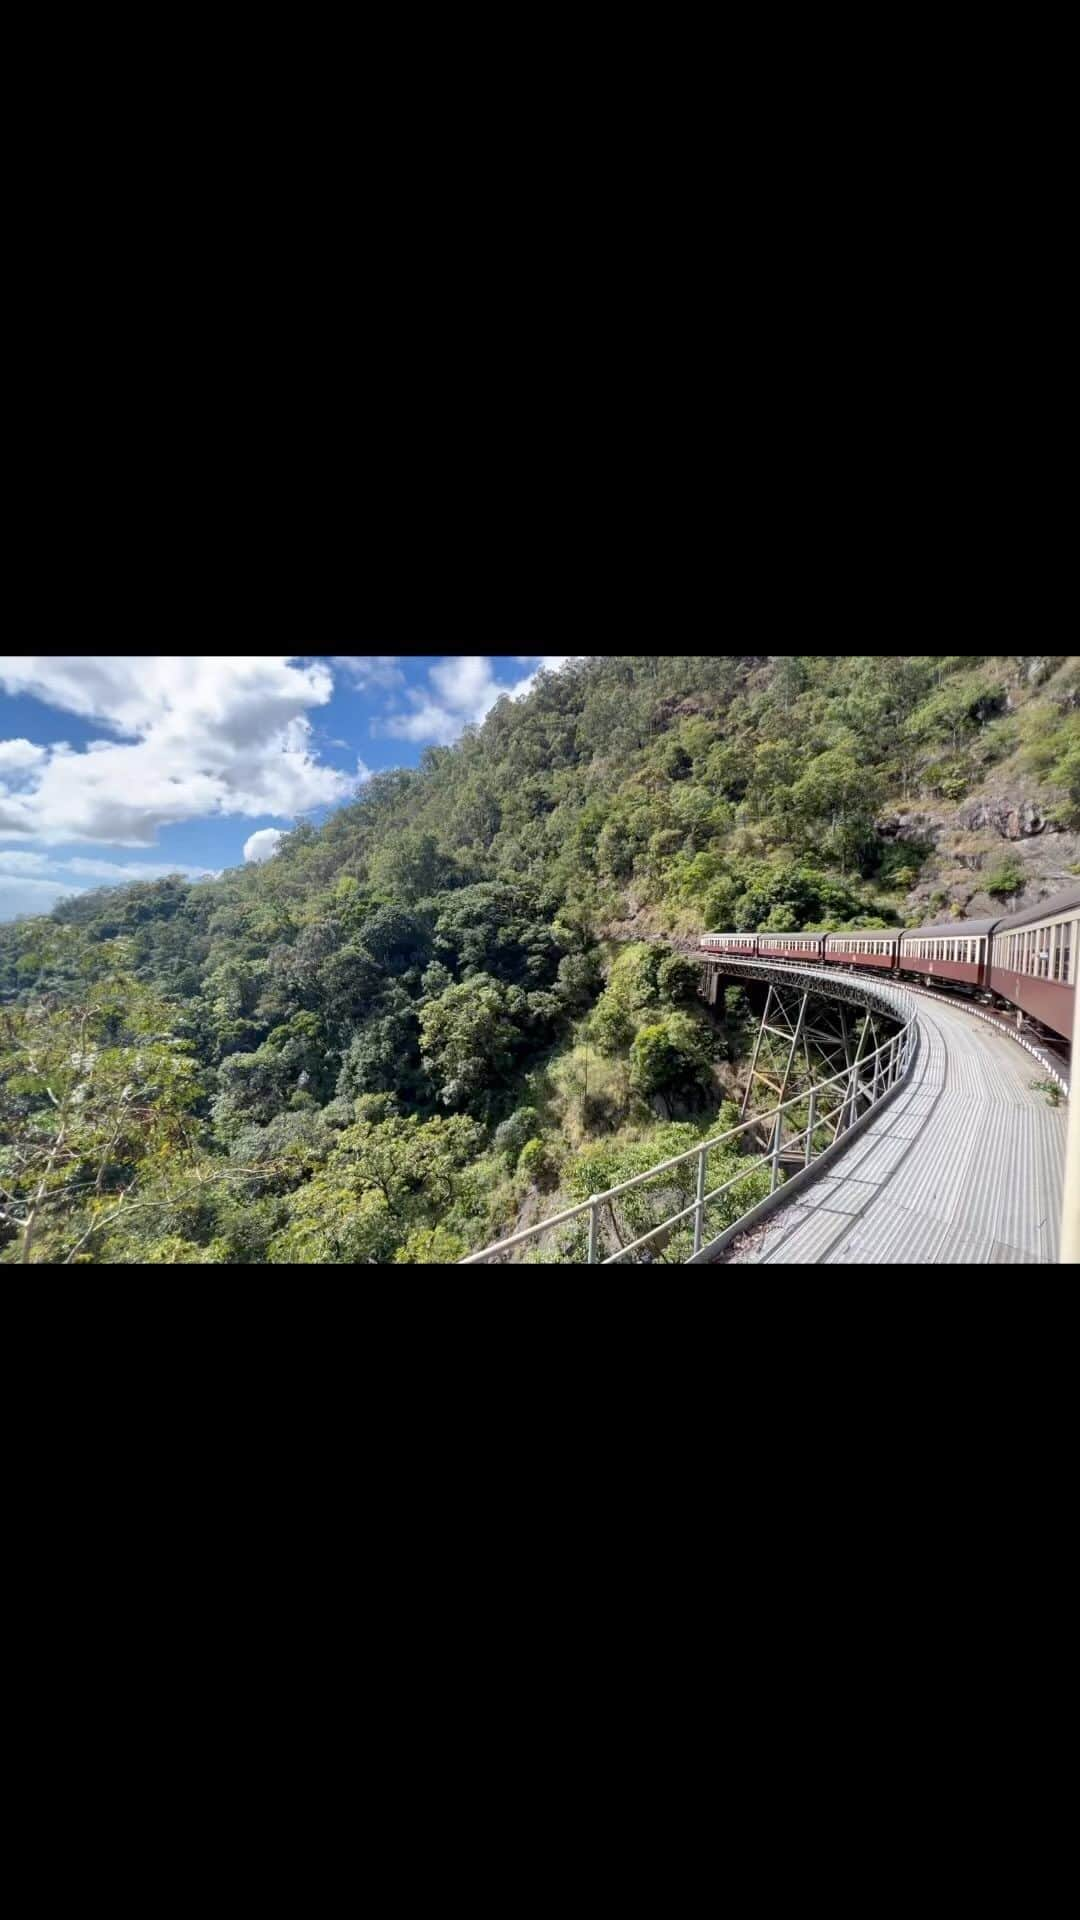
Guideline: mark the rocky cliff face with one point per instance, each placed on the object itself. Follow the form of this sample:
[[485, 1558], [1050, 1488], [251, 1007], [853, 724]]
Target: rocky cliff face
[[1011, 819], [1008, 818], [970, 841]]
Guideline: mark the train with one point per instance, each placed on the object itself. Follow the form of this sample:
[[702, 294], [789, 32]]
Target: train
[[1028, 960]]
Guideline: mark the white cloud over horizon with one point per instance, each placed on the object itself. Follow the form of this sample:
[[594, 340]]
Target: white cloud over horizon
[[34, 882], [199, 736]]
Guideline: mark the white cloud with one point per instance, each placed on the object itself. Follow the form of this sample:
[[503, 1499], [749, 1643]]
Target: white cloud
[[34, 882], [264, 844], [17, 755], [124, 870], [199, 736], [371, 669], [462, 690], [20, 895], [24, 863]]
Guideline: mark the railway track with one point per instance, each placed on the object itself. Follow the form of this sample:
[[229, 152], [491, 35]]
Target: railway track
[[966, 1166]]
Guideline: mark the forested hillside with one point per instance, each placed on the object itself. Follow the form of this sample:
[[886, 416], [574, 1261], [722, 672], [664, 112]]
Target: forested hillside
[[416, 1027]]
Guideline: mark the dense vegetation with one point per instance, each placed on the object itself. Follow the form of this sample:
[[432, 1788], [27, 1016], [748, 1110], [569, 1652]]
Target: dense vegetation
[[409, 1032]]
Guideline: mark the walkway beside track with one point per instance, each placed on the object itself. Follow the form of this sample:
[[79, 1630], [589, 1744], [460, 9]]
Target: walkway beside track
[[965, 1165]]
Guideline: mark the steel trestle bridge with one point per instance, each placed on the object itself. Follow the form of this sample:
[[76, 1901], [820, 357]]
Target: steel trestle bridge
[[889, 1127]]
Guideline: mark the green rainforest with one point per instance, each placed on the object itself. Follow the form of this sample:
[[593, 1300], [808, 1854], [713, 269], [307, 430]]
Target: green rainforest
[[461, 1003]]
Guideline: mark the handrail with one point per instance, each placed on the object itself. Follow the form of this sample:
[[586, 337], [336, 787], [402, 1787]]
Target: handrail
[[899, 1046]]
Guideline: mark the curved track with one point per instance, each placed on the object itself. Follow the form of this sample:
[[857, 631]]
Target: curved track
[[965, 1165]]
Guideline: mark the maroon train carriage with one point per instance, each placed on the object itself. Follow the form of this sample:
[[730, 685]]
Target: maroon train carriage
[[1035, 958], [740, 943], [874, 948], [790, 946], [957, 950]]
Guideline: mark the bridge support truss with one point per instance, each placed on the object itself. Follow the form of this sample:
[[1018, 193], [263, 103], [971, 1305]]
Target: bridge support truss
[[805, 1038]]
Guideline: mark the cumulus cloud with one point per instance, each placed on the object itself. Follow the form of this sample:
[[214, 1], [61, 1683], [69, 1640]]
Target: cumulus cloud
[[461, 691], [263, 845], [198, 736], [16, 756]]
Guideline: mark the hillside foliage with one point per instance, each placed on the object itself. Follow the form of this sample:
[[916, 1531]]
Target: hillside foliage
[[409, 1029]]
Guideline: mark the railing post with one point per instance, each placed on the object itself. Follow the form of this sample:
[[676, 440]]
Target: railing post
[[873, 1090], [775, 1155], [809, 1132], [699, 1216], [592, 1230]]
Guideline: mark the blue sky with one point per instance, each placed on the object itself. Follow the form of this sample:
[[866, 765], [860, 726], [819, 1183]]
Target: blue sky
[[116, 767]]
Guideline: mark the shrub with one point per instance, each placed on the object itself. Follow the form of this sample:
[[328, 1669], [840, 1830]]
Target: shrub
[[678, 977], [536, 1166], [1050, 1088], [516, 1132], [612, 1026], [1005, 879], [430, 1246], [674, 1052]]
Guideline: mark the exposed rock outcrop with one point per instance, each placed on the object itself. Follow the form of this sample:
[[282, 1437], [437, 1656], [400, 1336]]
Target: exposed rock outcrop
[[908, 827], [1013, 820]]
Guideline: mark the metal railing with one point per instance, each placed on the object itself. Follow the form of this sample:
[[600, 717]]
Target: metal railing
[[870, 1079]]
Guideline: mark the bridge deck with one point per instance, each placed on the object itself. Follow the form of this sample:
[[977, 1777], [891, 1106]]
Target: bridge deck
[[965, 1165]]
